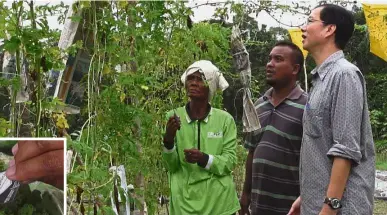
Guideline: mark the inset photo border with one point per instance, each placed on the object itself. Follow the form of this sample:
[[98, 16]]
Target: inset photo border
[[33, 175]]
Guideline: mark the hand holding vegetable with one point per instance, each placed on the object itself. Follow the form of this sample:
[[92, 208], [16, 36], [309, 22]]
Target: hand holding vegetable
[[172, 126]]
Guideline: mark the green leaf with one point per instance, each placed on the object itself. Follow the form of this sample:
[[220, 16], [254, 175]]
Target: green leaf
[[12, 44], [99, 174], [81, 147], [4, 127], [75, 18], [75, 178], [122, 194], [85, 4]]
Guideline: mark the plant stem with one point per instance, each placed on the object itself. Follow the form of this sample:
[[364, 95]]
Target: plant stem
[[14, 110], [38, 84]]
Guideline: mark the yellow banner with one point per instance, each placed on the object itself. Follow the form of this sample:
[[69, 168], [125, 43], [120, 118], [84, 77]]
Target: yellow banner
[[296, 36], [376, 19]]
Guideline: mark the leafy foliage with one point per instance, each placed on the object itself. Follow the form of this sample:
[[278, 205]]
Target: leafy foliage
[[125, 110], [379, 124]]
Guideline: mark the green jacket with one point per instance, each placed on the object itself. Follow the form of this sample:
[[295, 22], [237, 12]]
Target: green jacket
[[197, 190]]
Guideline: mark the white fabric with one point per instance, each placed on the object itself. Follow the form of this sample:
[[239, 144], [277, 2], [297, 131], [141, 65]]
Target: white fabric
[[169, 150], [242, 63], [214, 77], [209, 163], [120, 171]]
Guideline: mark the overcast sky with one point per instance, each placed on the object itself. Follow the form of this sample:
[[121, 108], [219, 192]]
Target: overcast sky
[[205, 12]]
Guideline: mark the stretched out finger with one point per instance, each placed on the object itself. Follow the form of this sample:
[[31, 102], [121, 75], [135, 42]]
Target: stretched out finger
[[25, 150], [47, 164]]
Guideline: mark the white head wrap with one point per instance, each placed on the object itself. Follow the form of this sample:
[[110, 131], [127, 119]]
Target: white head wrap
[[214, 78]]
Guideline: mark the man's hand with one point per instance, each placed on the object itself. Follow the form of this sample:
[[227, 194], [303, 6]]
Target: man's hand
[[38, 160], [173, 125], [245, 203], [327, 210], [193, 155], [296, 207]]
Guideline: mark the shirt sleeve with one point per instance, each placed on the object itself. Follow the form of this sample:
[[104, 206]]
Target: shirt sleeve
[[170, 156], [224, 163], [346, 117], [252, 139], [249, 142]]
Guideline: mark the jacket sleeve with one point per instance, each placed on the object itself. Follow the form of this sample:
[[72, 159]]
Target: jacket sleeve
[[170, 156], [224, 163]]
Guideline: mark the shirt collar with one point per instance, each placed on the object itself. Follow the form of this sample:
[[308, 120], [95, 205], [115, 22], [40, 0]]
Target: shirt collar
[[325, 67], [267, 95], [189, 120], [294, 95]]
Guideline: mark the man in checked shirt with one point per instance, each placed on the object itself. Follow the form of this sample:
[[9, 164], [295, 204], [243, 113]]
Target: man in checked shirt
[[337, 165]]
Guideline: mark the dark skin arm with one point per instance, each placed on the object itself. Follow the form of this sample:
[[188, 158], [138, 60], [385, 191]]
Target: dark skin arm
[[191, 155], [245, 198], [173, 125]]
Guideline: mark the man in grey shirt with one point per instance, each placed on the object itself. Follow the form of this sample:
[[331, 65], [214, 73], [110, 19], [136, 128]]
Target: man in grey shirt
[[337, 166]]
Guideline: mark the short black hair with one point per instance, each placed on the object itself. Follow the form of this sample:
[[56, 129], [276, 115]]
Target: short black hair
[[298, 57], [342, 18]]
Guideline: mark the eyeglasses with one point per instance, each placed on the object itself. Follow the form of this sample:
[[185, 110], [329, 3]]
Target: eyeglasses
[[310, 20]]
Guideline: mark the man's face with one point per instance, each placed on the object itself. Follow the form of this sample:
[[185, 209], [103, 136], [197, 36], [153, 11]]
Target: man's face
[[280, 69], [313, 33], [196, 87]]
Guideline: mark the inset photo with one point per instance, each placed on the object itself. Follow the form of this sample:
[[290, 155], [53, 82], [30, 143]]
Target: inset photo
[[32, 179]]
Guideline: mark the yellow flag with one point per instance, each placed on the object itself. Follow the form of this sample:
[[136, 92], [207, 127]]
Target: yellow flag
[[296, 36], [376, 19]]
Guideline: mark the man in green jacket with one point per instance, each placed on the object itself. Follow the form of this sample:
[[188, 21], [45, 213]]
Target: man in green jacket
[[199, 148]]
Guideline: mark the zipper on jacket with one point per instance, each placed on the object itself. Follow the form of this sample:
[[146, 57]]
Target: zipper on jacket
[[199, 135]]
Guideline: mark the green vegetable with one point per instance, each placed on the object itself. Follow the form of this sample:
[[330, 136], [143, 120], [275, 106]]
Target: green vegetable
[[6, 146]]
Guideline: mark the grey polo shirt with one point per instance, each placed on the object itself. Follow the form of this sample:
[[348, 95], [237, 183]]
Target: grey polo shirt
[[275, 168], [336, 123]]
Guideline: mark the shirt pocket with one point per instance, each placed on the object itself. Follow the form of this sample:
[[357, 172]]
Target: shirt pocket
[[212, 145], [313, 123]]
